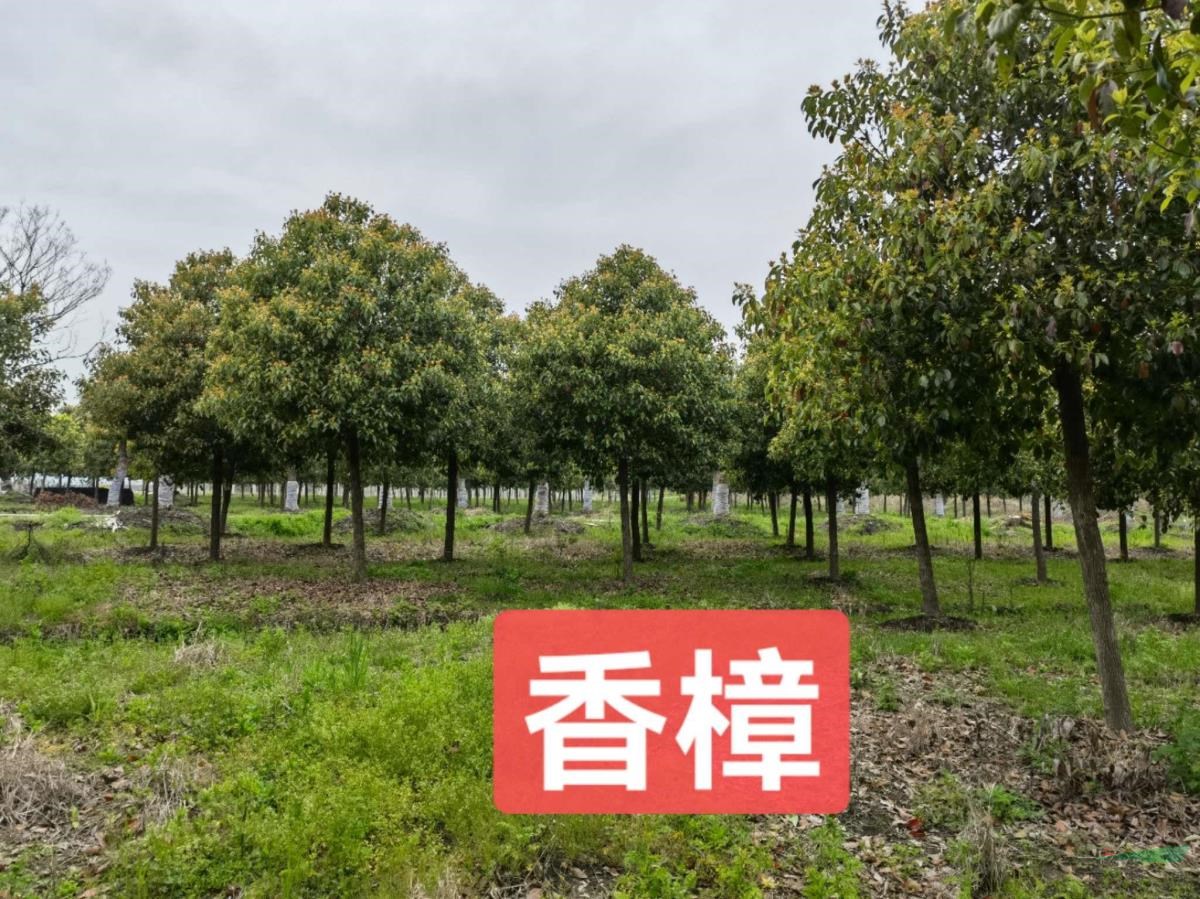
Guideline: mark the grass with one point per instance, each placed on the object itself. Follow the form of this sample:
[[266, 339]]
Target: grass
[[356, 760]]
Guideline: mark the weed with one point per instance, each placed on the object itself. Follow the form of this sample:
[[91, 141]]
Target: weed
[[830, 872], [1182, 754]]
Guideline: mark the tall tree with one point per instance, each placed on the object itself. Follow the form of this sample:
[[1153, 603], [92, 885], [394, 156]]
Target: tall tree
[[628, 373], [344, 329]]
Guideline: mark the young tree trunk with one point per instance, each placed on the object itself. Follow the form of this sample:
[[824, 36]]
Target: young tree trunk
[[773, 501], [989, 505], [214, 523], [662, 492], [635, 501], [384, 495], [978, 526], [1123, 535], [1081, 492], [929, 598], [1157, 529], [154, 517], [1196, 564], [835, 567], [810, 549], [1039, 557], [529, 508], [1049, 522], [791, 532], [626, 530], [226, 497], [451, 504], [354, 463], [690, 500], [645, 512], [118, 481], [327, 536]]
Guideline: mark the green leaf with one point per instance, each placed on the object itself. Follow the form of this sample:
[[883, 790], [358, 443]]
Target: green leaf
[[1063, 44], [1002, 26], [1131, 22]]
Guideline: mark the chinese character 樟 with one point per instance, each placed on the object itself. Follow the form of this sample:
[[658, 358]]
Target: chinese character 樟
[[594, 739]]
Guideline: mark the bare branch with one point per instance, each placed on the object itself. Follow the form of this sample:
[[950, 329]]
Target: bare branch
[[38, 252]]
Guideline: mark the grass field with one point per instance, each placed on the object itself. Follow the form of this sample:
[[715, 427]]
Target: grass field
[[262, 727]]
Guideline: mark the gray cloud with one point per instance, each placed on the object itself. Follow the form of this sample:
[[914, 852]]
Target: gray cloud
[[531, 137]]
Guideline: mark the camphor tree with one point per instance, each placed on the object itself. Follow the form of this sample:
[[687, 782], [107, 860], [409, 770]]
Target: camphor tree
[[627, 372], [1134, 66], [762, 467], [345, 329], [822, 436], [992, 239], [471, 353], [869, 309], [756, 425], [149, 389], [1098, 293]]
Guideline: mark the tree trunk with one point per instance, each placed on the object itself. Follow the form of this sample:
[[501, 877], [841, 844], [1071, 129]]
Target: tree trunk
[[1081, 492], [451, 505], [626, 530], [810, 549], [1039, 557], [1157, 529], [214, 523], [1196, 563], [978, 526], [645, 512], [226, 497], [662, 492], [154, 517], [791, 532], [354, 463], [1123, 535], [773, 500], [327, 536], [1049, 522], [835, 568], [929, 598], [529, 507], [118, 481], [635, 502], [383, 505]]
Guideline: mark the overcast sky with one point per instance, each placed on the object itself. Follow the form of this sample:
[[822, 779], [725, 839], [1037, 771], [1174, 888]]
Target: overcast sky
[[529, 136]]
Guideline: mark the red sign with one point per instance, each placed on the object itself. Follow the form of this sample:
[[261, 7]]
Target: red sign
[[672, 711]]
